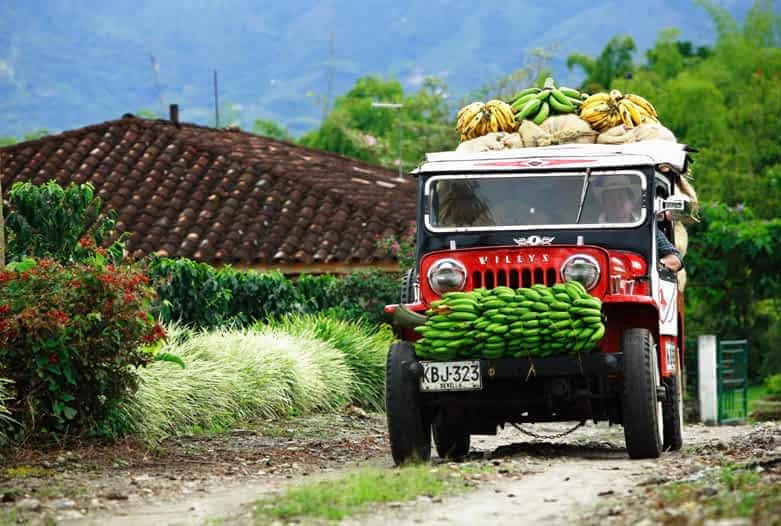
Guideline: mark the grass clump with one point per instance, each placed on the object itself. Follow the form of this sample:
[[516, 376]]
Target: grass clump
[[6, 394], [354, 493], [235, 375], [728, 492], [364, 347]]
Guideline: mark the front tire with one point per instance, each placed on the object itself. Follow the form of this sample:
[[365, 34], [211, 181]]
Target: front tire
[[409, 426], [672, 410], [640, 406], [451, 440]]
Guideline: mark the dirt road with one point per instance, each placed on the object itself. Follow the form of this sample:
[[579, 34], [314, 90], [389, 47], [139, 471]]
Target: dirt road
[[192, 480]]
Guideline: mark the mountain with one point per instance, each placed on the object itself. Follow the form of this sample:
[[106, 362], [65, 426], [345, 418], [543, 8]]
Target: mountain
[[67, 64]]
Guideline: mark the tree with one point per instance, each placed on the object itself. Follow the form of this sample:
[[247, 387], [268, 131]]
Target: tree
[[357, 129], [732, 262], [269, 128], [615, 61]]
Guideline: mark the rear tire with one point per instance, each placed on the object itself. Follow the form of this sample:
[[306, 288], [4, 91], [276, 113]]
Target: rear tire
[[409, 427], [641, 409], [451, 441], [672, 409]]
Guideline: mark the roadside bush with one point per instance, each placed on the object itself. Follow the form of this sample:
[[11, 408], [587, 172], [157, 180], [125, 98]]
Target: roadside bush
[[320, 292], [773, 384], [234, 375], [200, 296], [366, 292], [188, 292], [363, 346], [70, 339], [257, 296]]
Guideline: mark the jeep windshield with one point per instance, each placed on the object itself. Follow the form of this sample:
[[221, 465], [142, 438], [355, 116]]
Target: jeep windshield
[[513, 201]]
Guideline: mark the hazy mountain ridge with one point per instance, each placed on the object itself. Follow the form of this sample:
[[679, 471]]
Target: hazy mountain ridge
[[63, 67]]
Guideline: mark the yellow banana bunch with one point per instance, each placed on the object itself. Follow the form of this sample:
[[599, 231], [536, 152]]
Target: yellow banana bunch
[[607, 110], [477, 119], [504, 115]]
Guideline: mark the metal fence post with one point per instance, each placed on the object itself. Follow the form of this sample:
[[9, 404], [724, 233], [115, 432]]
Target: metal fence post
[[708, 384]]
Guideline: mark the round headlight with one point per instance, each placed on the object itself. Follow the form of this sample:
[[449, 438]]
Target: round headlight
[[446, 275], [581, 268]]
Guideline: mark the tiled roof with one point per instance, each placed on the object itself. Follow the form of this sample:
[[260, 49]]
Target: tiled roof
[[224, 196]]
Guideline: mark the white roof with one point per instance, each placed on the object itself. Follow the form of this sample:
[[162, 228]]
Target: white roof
[[577, 156]]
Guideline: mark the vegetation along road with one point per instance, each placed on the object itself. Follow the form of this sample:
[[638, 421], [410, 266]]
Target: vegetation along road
[[321, 468]]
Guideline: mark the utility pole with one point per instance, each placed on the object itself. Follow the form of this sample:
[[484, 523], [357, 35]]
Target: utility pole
[[216, 103], [155, 72], [329, 75], [394, 106]]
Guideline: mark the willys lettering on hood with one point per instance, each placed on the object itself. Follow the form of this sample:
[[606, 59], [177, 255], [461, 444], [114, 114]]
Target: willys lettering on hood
[[519, 259]]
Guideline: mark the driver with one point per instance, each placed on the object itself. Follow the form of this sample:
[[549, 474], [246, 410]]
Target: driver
[[619, 206]]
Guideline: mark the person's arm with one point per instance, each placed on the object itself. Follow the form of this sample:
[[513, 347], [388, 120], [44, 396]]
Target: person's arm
[[669, 256]]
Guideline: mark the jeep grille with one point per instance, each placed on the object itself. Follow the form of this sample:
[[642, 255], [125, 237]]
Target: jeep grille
[[514, 277]]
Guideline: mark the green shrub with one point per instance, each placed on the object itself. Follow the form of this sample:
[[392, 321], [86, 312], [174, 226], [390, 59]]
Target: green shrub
[[63, 224], [320, 292], [235, 375], [200, 296], [366, 292], [70, 338], [773, 384], [258, 296], [363, 346], [188, 292]]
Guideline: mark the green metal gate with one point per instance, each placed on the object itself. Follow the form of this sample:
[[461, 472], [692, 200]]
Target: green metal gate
[[732, 379]]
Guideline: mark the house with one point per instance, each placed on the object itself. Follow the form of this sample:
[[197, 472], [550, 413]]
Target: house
[[226, 196]]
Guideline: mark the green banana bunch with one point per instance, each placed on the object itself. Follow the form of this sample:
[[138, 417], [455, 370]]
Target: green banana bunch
[[537, 104], [528, 322]]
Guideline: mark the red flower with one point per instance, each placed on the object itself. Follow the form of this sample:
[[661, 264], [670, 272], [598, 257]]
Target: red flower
[[86, 242], [53, 358], [129, 297], [4, 309], [59, 316]]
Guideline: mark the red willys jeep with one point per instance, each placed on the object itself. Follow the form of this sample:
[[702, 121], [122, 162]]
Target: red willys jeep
[[539, 216]]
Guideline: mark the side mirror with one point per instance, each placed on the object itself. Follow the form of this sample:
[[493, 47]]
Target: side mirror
[[680, 209]]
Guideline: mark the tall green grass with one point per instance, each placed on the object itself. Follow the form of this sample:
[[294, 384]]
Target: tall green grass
[[234, 375], [301, 364], [6, 393], [364, 347]]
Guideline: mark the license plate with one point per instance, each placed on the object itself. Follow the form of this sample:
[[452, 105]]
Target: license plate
[[451, 376]]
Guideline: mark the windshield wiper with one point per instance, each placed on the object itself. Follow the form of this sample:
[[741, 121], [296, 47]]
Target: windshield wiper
[[583, 194]]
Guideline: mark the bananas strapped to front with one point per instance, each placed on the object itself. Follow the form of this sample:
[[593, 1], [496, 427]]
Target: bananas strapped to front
[[478, 119], [528, 322], [537, 104], [607, 110]]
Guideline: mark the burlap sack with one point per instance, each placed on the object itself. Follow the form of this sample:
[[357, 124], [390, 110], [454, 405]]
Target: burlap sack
[[616, 135], [513, 140], [566, 129], [650, 131], [532, 135], [484, 143]]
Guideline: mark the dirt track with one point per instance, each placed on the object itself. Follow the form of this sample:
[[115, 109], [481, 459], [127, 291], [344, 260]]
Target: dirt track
[[195, 479]]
